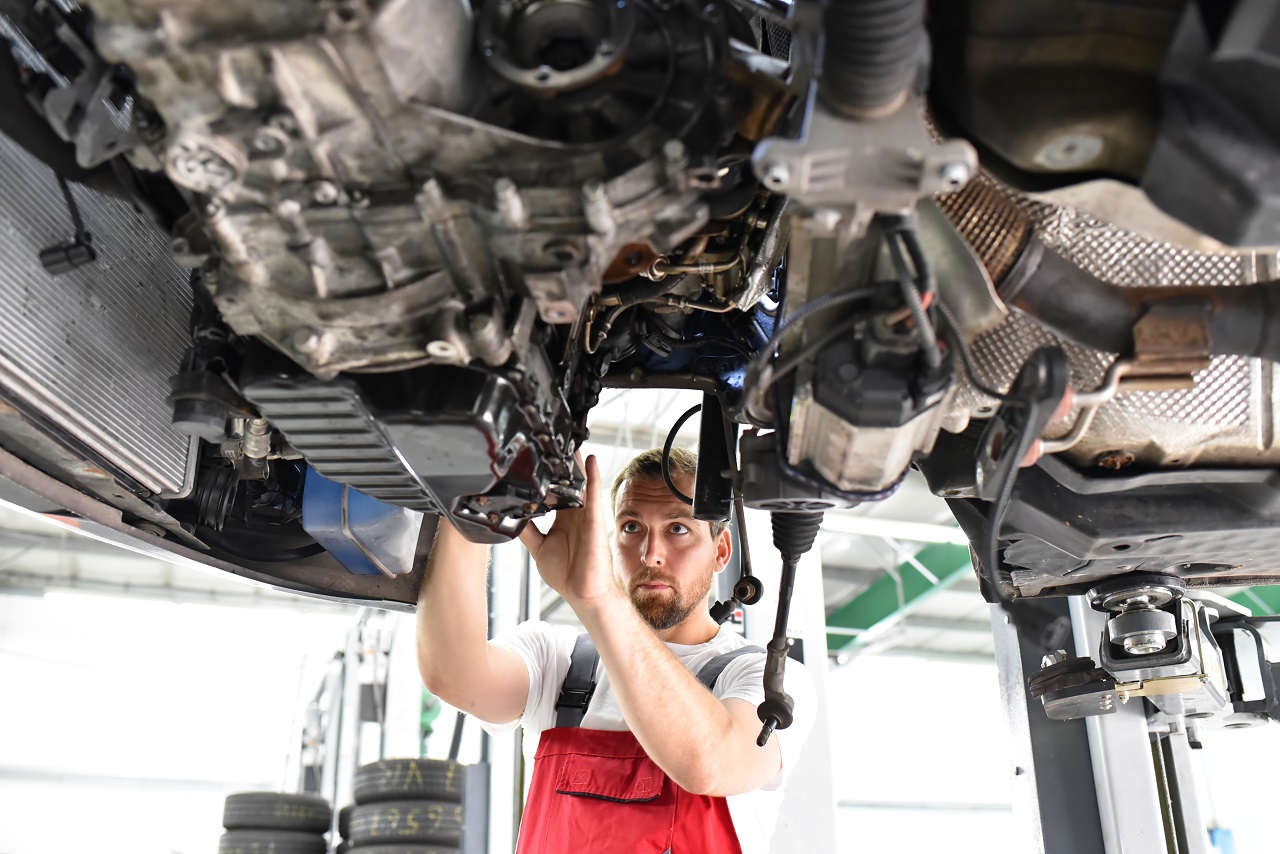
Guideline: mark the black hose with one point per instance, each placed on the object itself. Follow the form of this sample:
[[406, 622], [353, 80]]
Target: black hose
[[661, 340], [872, 55], [1242, 321], [666, 455]]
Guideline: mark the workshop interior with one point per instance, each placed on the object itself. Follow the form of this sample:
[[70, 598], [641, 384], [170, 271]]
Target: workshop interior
[[970, 308]]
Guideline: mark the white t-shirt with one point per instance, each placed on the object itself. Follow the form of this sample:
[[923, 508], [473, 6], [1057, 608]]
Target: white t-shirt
[[547, 649]]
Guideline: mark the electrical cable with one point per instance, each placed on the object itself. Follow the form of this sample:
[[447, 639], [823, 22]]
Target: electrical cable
[[786, 367], [758, 365], [966, 358], [911, 294], [666, 455], [665, 341], [928, 281], [77, 221], [808, 310], [824, 486]]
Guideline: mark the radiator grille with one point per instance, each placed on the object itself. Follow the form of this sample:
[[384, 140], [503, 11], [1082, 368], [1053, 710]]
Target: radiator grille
[[92, 349]]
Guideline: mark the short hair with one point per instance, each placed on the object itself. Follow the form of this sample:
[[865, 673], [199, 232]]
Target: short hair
[[647, 465]]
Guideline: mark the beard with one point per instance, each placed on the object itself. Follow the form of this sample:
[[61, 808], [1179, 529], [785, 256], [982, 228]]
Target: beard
[[667, 609]]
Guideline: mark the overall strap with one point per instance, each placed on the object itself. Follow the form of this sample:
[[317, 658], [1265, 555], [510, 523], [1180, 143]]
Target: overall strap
[[711, 671], [579, 683]]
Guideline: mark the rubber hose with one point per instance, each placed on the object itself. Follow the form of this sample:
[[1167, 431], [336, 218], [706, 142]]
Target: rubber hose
[[1242, 321], [872, 55]]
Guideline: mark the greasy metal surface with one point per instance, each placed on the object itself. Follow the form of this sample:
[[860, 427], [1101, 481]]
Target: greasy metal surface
[[1227, 419], [92, 349]]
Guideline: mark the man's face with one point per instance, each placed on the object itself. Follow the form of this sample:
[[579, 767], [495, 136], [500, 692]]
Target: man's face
[[664, 557]]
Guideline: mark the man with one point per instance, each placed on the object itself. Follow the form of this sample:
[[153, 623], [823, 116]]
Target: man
[[657, 762]]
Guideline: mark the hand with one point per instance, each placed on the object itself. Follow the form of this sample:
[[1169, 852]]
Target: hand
[[573, 556]]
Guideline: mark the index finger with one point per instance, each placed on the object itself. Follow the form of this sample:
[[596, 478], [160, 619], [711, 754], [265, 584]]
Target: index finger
[[532, 538], [592, 468]]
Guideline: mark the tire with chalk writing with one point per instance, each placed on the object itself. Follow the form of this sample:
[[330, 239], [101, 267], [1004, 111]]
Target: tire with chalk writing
[[403, 849], [275, 811], [271, 842], [408, 779], [406, 822]]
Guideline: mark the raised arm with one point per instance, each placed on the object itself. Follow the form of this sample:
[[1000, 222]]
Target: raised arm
[[457, 662], [705, 745]]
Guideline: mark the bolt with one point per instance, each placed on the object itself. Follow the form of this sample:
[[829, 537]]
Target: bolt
[[776, 175], [531, 507], [441, 350], [510, 205], [1144, 643], [305, 341], [597, 208], [482, 500], [1116, 460], [324, 193], [674, 152], [179, 246], [493, 518], [265, 142], [955, 174]]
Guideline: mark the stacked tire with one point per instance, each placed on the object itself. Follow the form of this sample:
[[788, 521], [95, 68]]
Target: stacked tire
[[405, 806], [272, 823]]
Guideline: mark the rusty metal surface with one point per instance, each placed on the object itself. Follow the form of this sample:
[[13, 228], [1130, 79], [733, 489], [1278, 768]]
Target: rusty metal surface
[[1227, 419], [995, 231], [92, 349]]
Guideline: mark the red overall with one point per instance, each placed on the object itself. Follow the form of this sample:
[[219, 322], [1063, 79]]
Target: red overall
[[597, 791]]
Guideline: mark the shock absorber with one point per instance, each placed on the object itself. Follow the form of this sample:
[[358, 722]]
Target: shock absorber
[[793, 535]]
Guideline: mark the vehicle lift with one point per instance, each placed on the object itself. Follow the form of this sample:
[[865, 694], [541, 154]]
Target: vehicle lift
[[1104, 725]]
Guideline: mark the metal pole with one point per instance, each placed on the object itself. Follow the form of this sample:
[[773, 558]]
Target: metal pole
[[1124, 775]]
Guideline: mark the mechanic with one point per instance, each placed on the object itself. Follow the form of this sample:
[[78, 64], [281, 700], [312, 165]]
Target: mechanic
[[648, 758]]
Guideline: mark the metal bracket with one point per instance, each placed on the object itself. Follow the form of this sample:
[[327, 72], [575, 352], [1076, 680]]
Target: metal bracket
[[883, 165], [1170, 343]]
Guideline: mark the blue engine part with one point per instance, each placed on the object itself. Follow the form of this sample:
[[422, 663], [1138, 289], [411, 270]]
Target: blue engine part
[[367, 536]]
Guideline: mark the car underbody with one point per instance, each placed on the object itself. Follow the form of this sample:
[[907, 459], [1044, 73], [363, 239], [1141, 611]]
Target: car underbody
[[331, 270]]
